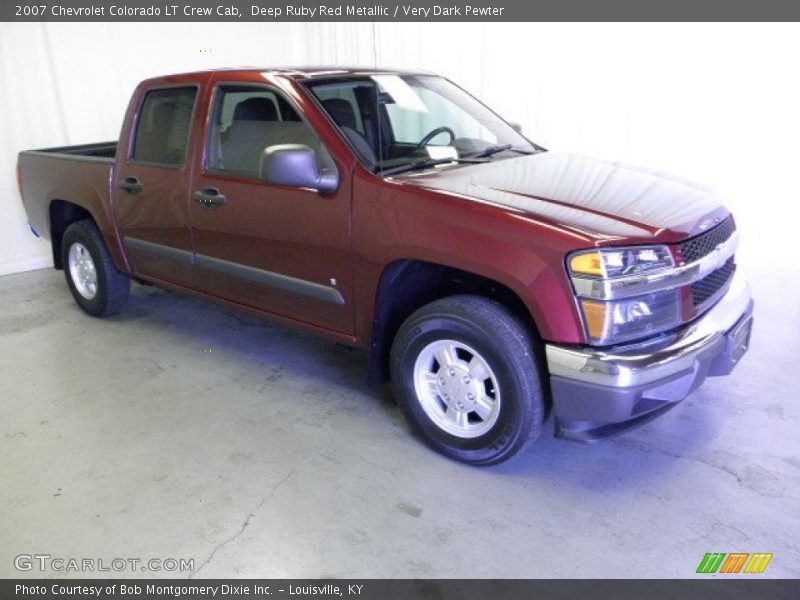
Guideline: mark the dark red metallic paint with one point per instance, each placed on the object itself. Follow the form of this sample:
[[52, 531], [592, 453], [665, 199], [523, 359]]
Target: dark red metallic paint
[[511, 221]]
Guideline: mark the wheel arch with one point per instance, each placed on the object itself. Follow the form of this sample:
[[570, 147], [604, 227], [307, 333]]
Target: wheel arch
[[62, 214], [406, 285]]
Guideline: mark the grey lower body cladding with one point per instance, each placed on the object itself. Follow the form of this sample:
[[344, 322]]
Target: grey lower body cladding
[[262, 277]]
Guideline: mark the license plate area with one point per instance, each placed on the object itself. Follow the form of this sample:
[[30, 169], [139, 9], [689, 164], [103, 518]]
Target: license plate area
[[740, 339]]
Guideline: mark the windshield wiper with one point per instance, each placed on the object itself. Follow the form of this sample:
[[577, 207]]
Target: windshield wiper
[[488, 151], [428, 162]]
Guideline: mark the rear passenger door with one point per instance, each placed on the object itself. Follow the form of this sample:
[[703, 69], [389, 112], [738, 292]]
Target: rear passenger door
[[151, 199], [280, 249]]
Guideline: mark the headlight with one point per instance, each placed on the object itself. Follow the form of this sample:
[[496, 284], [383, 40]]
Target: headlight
[[614, 262], [619, 320]]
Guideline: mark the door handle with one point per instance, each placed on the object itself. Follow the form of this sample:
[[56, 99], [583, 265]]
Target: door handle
[[132, 185], [209, 198]]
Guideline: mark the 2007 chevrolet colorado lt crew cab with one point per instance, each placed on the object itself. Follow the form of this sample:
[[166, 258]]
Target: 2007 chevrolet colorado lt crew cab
[[488, 278]]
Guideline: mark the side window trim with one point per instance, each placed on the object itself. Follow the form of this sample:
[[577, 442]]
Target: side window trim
[[189, 131]]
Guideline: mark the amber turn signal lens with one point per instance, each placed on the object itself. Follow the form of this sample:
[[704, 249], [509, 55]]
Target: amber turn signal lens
[[588, 263], [595, 315]]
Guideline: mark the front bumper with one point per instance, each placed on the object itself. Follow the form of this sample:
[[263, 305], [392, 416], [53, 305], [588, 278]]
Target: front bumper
[[597, 393]]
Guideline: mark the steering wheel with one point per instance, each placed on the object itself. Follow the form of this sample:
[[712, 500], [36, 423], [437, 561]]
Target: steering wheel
[[432, 134]]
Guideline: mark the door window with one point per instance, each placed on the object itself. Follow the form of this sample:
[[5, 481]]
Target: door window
[[162, 129], [246, 121]]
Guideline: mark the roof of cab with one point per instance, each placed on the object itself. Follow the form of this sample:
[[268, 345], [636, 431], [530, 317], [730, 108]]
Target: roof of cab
[[299, 72]]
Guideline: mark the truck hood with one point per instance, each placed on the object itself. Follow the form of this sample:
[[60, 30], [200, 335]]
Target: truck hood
[[597, 198]]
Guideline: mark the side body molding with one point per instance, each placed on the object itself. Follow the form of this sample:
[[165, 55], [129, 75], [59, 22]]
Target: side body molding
[[269, 279]]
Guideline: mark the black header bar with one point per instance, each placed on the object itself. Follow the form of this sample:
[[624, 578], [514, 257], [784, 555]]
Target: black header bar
[[398, 10], [748, 587]]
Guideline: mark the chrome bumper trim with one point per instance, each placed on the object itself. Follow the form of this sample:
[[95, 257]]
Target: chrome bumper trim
[[636, 285], [637, 365]]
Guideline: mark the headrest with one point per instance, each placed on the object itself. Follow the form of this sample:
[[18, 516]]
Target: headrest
[[341, 111], [255, 109]]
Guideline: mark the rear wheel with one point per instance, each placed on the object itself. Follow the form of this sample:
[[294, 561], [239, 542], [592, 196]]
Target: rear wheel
[[465, 377], [96, 284]]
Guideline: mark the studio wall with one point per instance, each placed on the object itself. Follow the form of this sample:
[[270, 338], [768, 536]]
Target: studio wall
[[711, 102]]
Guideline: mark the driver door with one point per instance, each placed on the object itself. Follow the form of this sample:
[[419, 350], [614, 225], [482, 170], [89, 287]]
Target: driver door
[[280, 249]]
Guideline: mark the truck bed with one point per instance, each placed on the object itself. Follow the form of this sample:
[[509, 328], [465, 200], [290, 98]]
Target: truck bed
[[99, 150], [78, 174]]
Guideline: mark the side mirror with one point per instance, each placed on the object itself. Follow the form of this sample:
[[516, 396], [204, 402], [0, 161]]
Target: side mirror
[[295, 165], [516, 127]]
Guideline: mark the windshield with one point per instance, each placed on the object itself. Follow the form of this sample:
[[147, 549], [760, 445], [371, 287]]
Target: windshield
[[397, 123]]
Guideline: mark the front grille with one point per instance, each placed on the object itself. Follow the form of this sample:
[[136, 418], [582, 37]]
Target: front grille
[[709, 285], [699, 246]]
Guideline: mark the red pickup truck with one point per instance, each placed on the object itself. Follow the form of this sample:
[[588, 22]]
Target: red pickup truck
[[490, 280]]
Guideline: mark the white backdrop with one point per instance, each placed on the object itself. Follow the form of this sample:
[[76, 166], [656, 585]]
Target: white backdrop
[[719, 103]]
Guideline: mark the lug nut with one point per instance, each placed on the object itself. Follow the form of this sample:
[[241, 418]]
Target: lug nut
[[470, 396], [466, 379], [452, 372]]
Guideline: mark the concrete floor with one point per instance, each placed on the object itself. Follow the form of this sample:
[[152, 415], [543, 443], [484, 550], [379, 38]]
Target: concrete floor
[[180, 430]]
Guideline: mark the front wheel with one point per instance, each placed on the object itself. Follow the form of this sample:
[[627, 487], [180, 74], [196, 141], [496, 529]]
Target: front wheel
[[96, 284], [465, 376]]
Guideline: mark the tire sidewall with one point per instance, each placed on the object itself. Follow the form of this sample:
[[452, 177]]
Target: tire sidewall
[[77, 233], [514, 417]]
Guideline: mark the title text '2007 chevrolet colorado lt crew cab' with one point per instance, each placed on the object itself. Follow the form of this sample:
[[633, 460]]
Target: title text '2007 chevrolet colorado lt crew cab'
[[487, 278]]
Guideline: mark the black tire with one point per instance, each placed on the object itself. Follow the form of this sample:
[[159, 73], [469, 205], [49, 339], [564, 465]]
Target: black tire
[[112, 287], [477, 325]]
